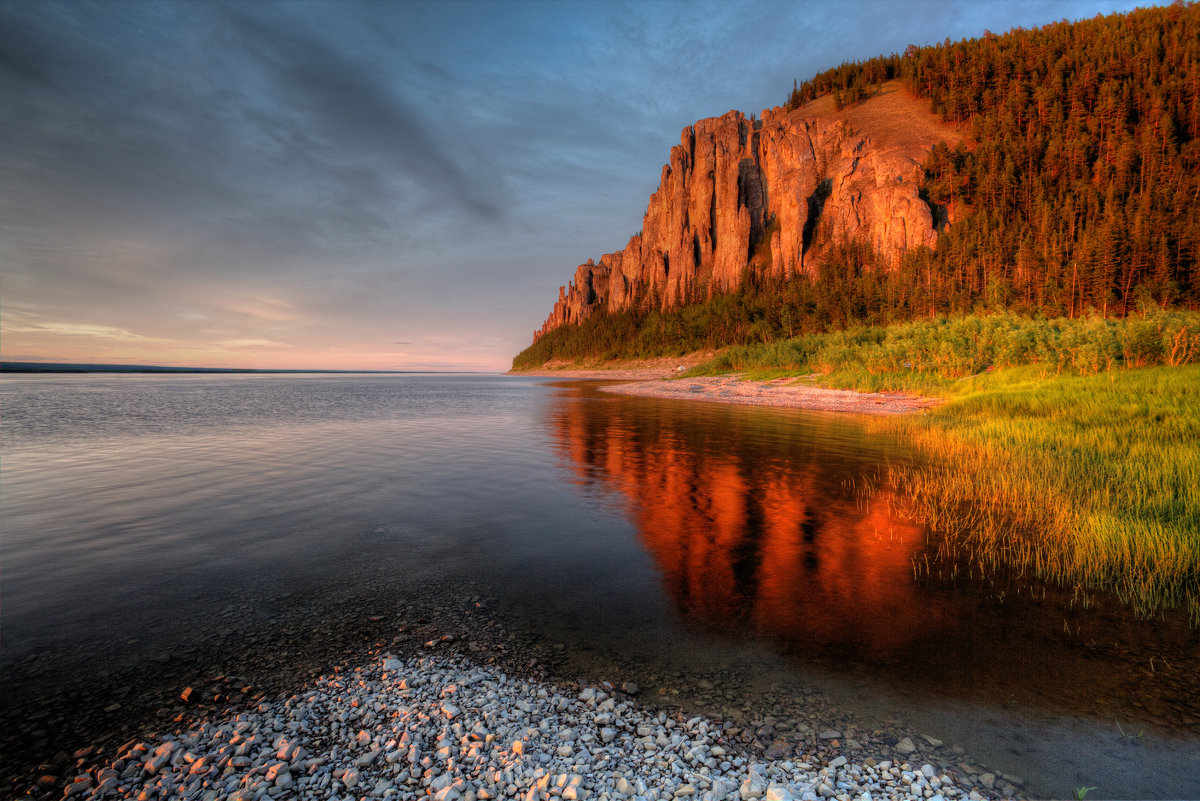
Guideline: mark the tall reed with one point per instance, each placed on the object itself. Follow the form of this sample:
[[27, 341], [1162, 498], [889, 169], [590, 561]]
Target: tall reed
[[1089, 481]]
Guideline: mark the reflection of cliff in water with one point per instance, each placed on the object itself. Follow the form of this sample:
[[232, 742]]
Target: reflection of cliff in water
[[753, 529], [756, 520]]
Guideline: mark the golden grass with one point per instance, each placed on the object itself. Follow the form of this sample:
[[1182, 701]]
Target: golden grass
[[1086, 481]]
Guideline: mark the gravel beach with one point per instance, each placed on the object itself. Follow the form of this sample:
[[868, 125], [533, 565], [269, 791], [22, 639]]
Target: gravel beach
[[452, 686], [444, 726]]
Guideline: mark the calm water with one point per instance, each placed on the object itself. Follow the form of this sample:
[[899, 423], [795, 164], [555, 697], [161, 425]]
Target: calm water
[[143, 514]]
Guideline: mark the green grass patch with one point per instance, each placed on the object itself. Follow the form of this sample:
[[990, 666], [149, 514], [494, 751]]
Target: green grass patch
[[935, 356]]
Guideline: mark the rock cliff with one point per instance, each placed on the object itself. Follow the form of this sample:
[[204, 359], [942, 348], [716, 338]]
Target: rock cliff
[[775, 191]]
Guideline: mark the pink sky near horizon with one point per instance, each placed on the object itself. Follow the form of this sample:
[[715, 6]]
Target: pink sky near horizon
[[82, 344]]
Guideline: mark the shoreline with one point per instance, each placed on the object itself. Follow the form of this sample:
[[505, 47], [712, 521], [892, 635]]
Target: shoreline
[[779, 392], [459, 650], [634, 370], [658, 378]]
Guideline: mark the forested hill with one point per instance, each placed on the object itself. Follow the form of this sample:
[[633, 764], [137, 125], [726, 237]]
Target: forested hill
[[1076, 189]]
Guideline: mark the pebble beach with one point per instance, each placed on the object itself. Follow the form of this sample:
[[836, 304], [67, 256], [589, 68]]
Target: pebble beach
[[442, 726]]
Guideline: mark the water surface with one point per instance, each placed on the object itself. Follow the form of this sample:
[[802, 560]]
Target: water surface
[[178, 520]]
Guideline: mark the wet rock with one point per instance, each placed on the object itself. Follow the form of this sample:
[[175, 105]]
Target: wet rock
[[778, 749]]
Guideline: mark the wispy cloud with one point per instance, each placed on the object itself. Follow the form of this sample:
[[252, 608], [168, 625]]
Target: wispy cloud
[[252, 343], [76, 330], [265, 309]]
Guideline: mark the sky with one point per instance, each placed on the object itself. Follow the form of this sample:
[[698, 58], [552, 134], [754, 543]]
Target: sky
[[369, 185]]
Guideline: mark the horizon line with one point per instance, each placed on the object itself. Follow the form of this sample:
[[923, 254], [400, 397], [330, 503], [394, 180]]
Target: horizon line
[[103, 367]]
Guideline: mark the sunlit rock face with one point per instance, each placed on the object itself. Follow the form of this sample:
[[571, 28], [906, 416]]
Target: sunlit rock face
[[754, 532], [736, 190]]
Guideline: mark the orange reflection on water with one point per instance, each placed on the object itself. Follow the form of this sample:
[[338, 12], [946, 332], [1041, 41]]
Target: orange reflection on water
[[756, 526]]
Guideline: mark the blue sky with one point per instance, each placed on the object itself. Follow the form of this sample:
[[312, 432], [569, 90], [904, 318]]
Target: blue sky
[[368, 185]]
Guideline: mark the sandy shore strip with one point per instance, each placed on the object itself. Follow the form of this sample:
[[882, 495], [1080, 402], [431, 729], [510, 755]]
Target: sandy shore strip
[[445, 727], [779, 392], [635, 370]]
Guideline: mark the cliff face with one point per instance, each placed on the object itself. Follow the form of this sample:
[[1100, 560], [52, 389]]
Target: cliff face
[[804, 179]]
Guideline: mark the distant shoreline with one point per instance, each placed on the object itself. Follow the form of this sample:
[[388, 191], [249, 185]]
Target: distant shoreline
[[53, 367]]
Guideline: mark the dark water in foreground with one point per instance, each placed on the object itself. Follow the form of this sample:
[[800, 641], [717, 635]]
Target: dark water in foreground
[[648, 538]]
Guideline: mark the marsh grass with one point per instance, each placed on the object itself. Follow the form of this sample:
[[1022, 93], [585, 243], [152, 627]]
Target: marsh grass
[[1085, 481], [1068, 450]]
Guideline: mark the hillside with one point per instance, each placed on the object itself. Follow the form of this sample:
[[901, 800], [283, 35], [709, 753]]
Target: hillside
[[1052, 171]]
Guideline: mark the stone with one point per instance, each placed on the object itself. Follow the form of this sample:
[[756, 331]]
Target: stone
[[837, 763], [906, 746], [78, 786], [778, 749], [933, 741]]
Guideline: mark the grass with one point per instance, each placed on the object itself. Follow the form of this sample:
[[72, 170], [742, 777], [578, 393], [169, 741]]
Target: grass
[[1089, 481], [1068, 450], [932, 356]]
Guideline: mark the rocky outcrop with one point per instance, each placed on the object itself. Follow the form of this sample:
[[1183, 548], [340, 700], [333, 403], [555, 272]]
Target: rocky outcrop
[[765, 194]]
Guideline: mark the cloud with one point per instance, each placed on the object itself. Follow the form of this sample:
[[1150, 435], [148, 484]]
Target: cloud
[[76, 330], [349, 107], [252, 343], [266, 309]]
